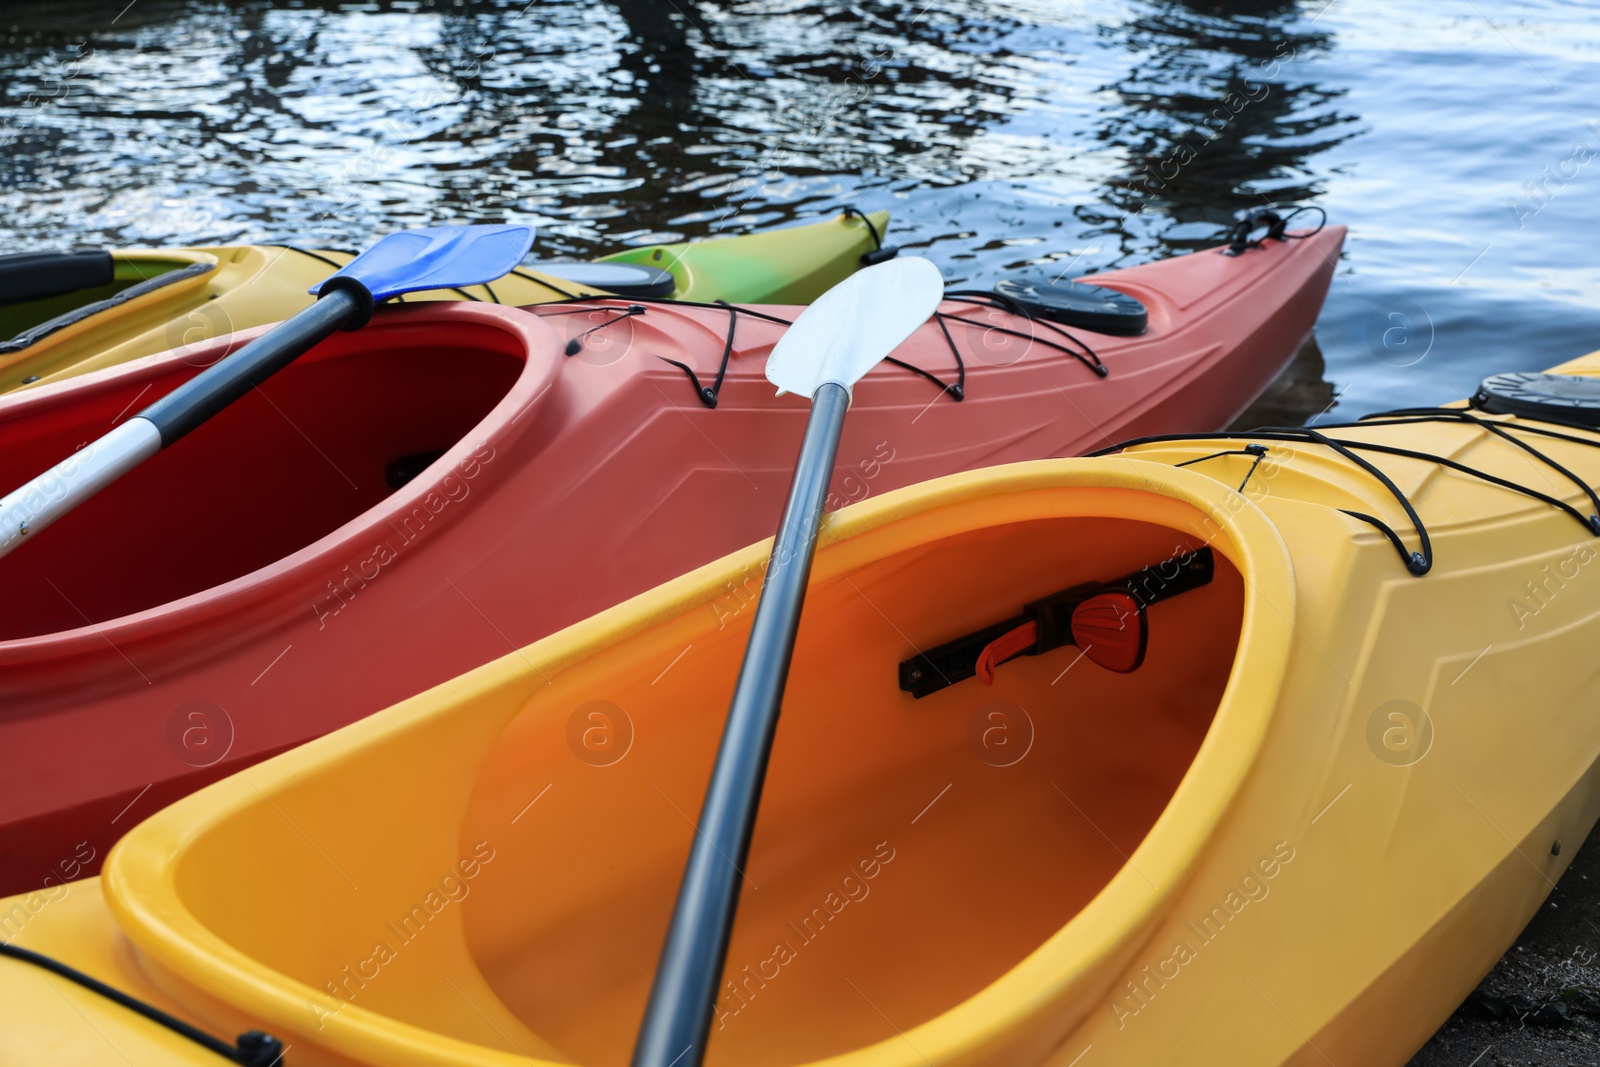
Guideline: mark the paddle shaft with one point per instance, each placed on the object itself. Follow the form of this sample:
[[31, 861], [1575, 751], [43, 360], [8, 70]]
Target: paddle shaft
[[677, 1019], [51, 495]]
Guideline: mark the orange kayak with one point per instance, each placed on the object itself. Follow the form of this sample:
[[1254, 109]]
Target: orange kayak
[[415, 498]]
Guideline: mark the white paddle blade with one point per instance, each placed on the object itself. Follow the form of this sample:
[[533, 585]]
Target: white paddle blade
[[854, 325]]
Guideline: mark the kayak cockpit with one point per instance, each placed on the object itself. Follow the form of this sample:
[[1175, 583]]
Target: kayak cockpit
[[517, 836], [43, 292], [326, 440], [909, 851]]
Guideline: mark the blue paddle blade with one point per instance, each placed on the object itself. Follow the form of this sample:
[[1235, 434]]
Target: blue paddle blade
[[439, 257]]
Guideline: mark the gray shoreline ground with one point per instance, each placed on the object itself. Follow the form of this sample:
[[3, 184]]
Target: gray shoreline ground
[[1540, 1006]]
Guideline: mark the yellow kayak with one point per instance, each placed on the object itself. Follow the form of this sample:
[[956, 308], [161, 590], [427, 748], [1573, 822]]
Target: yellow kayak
[[1286, 804], [122, 305]]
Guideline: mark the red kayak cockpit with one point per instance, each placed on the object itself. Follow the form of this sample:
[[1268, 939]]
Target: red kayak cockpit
[[333, 436]]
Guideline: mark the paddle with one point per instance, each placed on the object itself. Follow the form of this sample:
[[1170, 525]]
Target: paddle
[[440, 257], [831, 345]]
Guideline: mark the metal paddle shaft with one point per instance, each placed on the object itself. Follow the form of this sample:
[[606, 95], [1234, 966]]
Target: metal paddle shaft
[[225, 381], [678, 1017], [440, 257], [829, 348], [96, 465]]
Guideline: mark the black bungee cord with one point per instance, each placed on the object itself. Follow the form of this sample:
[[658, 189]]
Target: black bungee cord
[[253, 1048], [1417, 562], [1276, 228]]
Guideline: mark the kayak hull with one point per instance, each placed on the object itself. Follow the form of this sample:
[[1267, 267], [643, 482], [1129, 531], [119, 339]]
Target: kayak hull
[[215, 291], [1148, 879], [246, 636]]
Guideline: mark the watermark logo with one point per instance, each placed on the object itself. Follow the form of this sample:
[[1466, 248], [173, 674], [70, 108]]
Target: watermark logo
[[54, 84], [451, 489], [855, 484], [1247, 893], [599, 337], [741, 987], [18, 911], [1399, 733], [993, 336], [1543, 588], [1399, 332], [1155, 178], [1553, 179], [200, 733], [1000, 733], [599, 733], [451, 888], [194, 328]]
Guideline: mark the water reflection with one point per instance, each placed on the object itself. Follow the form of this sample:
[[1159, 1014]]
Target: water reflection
[[1218, 115], [1001, 134], [1299, 395], [607, 123]]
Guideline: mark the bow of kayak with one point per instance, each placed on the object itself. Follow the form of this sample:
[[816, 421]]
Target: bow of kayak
[[1249, 843], [139, 302], [789, 266]]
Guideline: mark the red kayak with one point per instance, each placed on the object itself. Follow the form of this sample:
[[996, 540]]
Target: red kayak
[[456, 480]]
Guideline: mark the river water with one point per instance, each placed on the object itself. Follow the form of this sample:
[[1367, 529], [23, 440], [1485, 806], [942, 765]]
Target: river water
[[1456, 138]]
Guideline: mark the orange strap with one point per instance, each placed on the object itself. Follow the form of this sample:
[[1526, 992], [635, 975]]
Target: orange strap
[[1003, 648]]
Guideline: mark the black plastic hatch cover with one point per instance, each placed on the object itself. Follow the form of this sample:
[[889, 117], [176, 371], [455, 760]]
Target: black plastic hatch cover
[[1559, 397], [623, 279], [1088, 307]]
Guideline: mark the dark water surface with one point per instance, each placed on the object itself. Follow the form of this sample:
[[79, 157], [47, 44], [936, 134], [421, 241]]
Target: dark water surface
[[1456, 139], [1451, 137]]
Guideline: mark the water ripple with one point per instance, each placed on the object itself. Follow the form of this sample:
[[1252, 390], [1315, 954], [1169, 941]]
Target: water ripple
[[1096, 133]]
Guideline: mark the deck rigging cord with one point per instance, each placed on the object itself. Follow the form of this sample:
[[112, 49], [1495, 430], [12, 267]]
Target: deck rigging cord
[[253, 1048], [1070, 345], [1084, 354], [880, 251], [855, 212], [1417, 562], [708, 394], [575, 345], [1275, 228], [1258, 451]]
